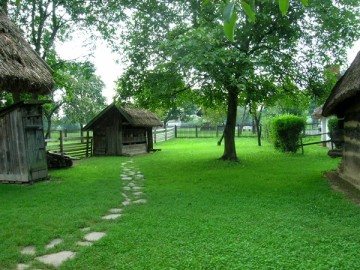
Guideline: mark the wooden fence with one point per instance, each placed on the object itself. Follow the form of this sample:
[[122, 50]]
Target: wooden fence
[[163, 134], [78, 147], [212, 131], [81, 147]]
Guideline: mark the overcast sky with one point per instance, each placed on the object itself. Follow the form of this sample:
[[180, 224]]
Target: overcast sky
[[109, 70]]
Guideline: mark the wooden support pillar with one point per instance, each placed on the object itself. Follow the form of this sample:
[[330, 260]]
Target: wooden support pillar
[[149, 135]]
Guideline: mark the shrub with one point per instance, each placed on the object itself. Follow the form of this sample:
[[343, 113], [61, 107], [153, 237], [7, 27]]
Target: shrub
[[286, 131], [333, 124]]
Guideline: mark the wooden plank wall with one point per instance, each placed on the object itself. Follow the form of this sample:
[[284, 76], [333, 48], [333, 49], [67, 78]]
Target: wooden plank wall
[[13, 161], [350, 169]]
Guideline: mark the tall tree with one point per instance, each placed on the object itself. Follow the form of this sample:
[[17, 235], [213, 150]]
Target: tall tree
[[188, 35], [44, 22], [84, 101]]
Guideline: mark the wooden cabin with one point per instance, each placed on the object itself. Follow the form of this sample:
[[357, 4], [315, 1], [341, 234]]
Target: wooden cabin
[[122, 131], [22, 149], [22, 144], [344, 102]]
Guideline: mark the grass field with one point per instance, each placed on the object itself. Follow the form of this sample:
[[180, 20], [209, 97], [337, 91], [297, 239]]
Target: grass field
[[269, 211]]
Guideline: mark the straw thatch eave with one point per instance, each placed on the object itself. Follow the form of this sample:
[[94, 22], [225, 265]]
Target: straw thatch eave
[[348, 87], [21, 69], [140, 118], [135, 117], [317, 114]]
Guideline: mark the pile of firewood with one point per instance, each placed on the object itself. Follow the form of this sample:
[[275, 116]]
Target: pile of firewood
[[58, 161]]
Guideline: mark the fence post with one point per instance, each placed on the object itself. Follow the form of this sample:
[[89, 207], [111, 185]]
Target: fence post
[[238, 130], [155, 136], [165, 134], [65, 132], [61, 142], [175, 131], [87, 143], [196, 131]]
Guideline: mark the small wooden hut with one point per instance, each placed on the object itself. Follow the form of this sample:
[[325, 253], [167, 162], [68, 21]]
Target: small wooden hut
[[120, 131], [22, 155], [22, 146], [344, 101]]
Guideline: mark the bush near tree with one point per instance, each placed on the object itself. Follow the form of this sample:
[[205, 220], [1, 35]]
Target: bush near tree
[[286, 131], [333, 124]]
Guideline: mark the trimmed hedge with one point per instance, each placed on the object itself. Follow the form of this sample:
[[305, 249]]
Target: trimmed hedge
[[286, 131], [333, 124]]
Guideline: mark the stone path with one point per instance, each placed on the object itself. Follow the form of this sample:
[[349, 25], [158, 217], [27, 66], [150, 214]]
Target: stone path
[[133, 184]]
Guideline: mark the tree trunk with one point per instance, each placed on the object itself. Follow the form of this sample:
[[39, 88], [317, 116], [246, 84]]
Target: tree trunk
[[257, 119], [48, 130], [229, 131]]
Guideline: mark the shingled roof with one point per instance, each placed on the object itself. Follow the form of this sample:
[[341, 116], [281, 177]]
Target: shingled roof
[[21, 68], [346, 88], [135, 117]]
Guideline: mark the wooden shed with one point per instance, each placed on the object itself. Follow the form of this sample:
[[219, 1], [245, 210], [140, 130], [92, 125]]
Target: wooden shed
[[22, 155], [22, 147], [344, 101], [122, 131]]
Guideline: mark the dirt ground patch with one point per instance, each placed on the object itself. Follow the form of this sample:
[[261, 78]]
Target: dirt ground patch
[[340, 185]]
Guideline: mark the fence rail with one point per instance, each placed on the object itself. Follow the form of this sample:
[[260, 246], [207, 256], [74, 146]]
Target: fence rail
[[164, 134], [78, 147], [212, 131]]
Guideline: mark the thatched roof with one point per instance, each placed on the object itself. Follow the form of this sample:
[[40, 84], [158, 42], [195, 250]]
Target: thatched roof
[[346, 88], [317, 114], [134, 117], [21, 69]]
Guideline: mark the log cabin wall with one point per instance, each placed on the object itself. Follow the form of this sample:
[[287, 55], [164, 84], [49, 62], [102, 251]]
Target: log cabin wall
[[22, 145], [134, 140], [107, 136], [119, 131], [350, 168]]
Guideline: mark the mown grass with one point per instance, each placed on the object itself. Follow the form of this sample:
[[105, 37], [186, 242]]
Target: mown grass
[[269, 211]]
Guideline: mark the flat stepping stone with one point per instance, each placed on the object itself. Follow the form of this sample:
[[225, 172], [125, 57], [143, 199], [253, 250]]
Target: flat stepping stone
[[136, 188], [29, 250], [127, 188], [138, 193], [124, 195], [126, 178], [126, 203], [22, 266], [86, 229], [56, 259], [131, 185], [84, 243], [115, 210], [111, 216], [139, 176], [54, 243], [94, 236], [141, 201]]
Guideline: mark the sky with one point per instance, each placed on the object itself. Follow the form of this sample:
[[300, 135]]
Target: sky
[[109, 70], [103, 58]]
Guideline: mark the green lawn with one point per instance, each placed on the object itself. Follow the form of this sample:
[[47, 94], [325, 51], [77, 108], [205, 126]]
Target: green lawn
[[269, 211]]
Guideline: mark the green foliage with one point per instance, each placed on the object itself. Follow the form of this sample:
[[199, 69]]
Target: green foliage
[[286, 131], [272, 56], [84, 98], [333, 123], [249, 8]]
